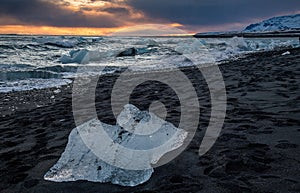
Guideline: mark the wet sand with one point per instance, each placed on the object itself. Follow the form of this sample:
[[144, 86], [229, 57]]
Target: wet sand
[[258, 149]]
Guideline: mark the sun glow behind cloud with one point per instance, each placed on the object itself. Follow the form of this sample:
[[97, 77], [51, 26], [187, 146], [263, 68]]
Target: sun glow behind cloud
[[135, 30], [122, 16], [117, 13], [83, 2], [48, 30], [112, 8]]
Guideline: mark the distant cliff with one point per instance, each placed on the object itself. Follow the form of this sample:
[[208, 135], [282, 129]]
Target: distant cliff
[[282, 23]]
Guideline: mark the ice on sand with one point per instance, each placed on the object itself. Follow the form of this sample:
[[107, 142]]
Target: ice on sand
[[78, 162]]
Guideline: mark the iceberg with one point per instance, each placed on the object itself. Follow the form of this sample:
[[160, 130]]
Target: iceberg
[[76, 56], [90, 39], [136, 51], [84, 56], [137, 142], [128, 52]]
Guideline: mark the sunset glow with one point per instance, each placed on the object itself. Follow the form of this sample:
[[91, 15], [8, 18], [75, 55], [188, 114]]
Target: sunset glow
[[48, 30], [131, 30]]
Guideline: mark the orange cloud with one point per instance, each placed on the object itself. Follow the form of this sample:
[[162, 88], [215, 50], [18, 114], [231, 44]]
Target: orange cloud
[[48, 30], [74, 17], [176, 25]]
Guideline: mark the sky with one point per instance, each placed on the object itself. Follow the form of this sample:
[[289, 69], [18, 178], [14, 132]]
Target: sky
[[103, 17]]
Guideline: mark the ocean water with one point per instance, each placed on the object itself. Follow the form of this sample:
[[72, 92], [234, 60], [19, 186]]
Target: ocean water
[[35, 62]]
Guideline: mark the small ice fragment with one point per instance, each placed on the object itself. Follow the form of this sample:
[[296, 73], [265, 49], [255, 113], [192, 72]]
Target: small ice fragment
[[286, 53], [57, 91]]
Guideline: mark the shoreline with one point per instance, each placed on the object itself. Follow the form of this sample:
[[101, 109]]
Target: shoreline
[[258, 150], [275, 34]]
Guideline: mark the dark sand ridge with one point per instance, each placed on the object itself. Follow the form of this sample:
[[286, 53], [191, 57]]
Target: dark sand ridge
[[258, 150]]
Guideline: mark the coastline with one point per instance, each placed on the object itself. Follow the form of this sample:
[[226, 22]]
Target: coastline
[[274, 34], [258, 150]]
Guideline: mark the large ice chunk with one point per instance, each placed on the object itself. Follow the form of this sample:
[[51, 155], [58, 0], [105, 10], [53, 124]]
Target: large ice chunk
[[138, 140], [76, 56], [78, 162], [84, 56], [137, 51]]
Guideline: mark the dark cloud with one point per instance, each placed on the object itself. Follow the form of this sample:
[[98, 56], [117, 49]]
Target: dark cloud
[[191, 13], [214, 12], [86, 8], [117, 10], [36, 12]]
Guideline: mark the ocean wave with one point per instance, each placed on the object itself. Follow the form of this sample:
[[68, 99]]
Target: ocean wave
[[63, 42], [84, 56], [21, 75], [59, 69], [30, 84], [56, 57]]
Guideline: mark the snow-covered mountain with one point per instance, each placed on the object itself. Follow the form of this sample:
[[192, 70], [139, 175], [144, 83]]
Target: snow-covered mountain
[[282, 23]]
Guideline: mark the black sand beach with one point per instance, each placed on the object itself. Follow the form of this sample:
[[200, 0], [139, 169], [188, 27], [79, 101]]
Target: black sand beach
[[258, 150]]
